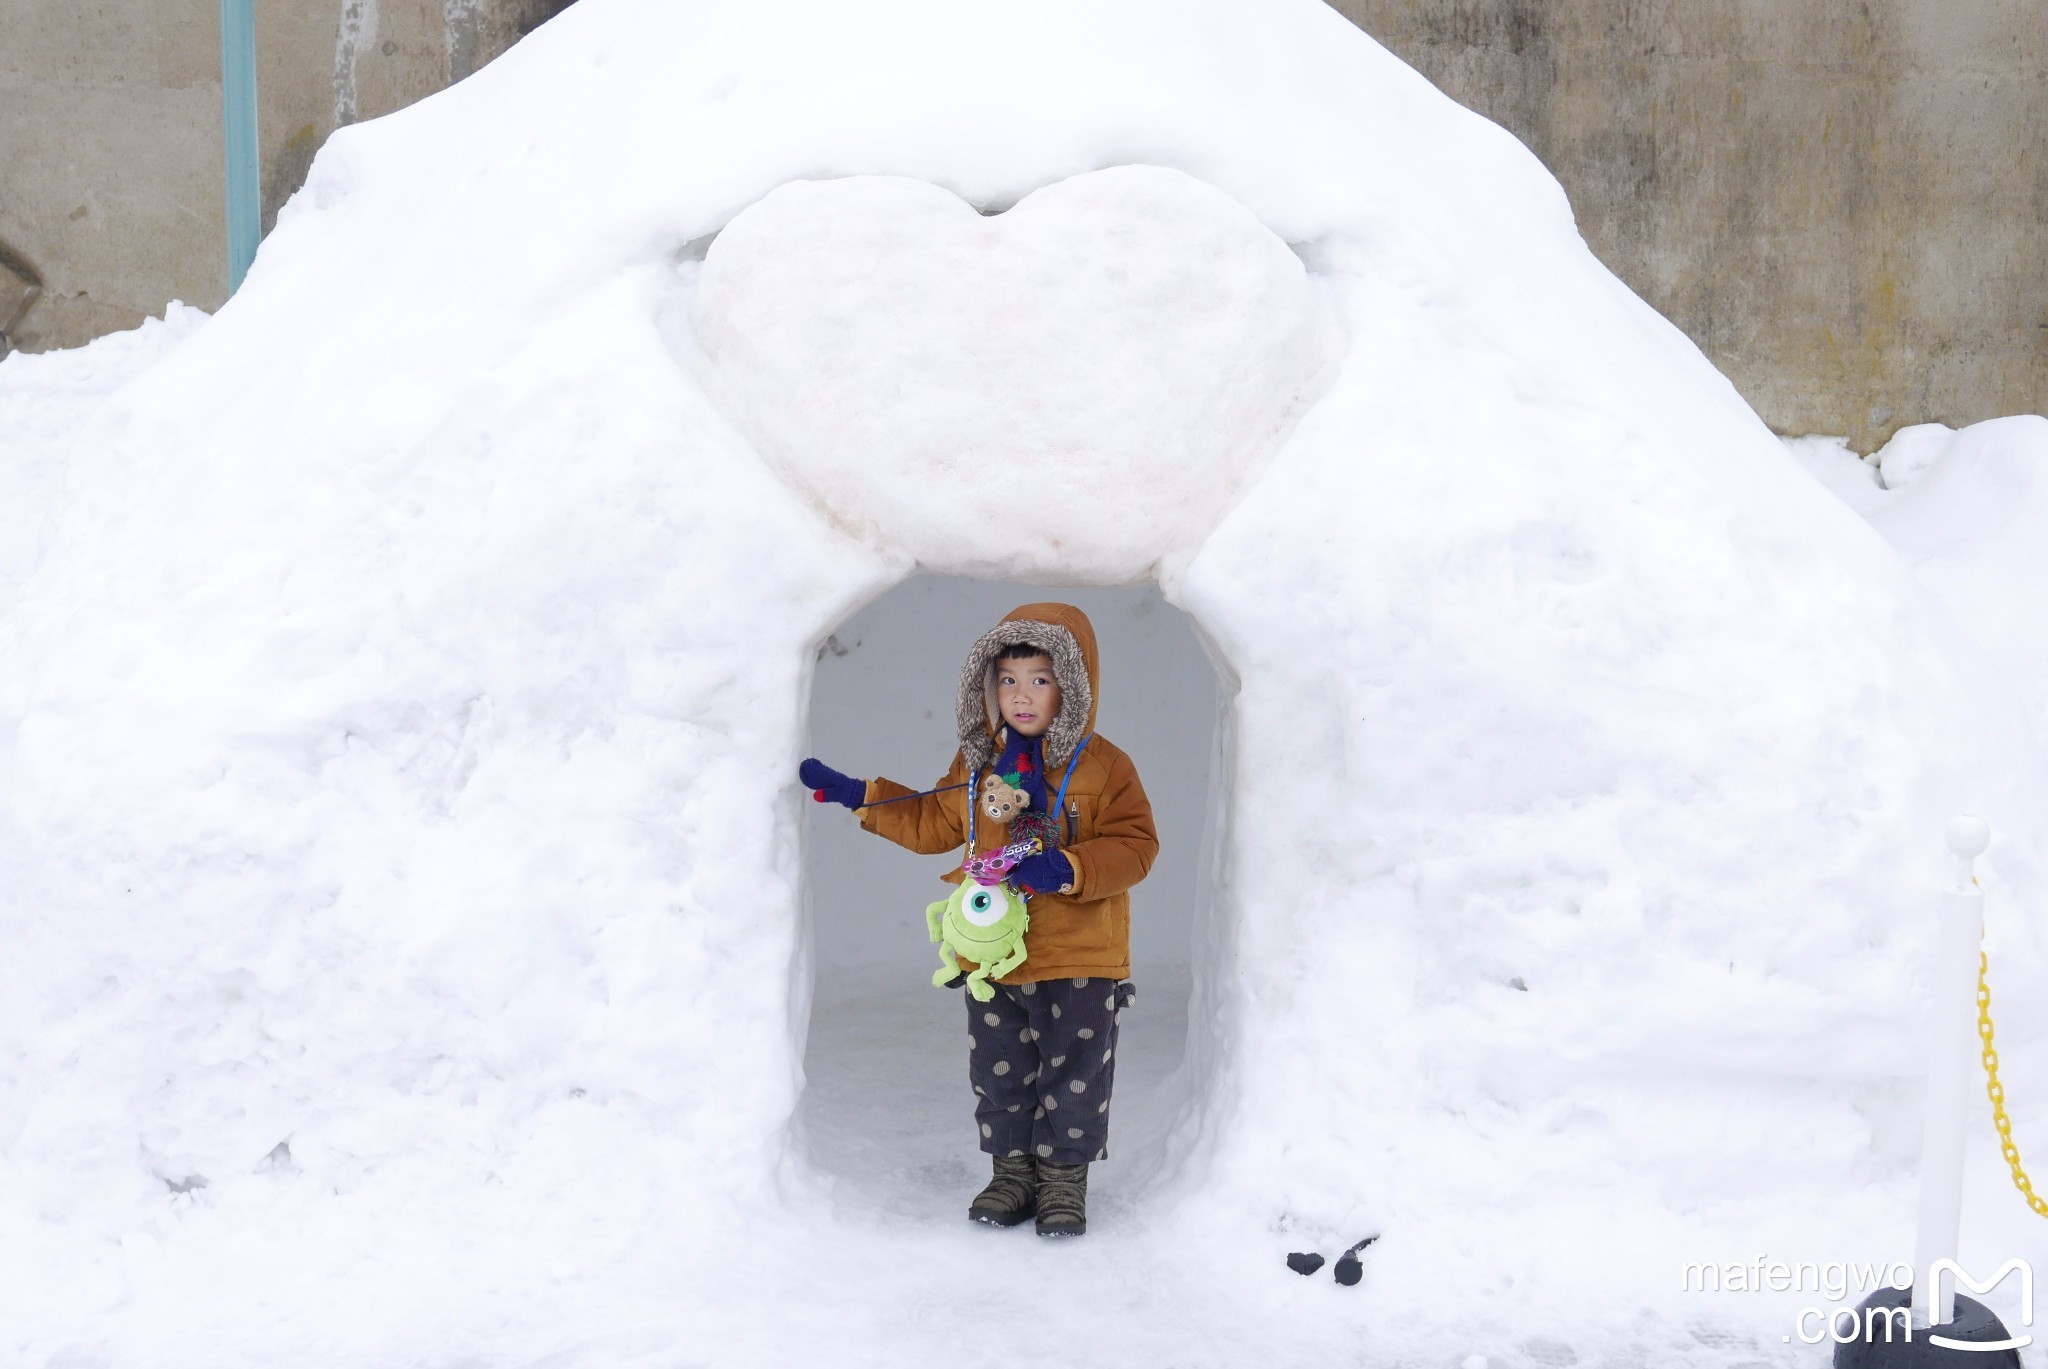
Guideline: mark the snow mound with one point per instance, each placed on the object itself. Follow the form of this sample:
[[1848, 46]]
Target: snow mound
[[1132, 339], [1912, 452], [398, 723], [45, 400], [1968, 511]]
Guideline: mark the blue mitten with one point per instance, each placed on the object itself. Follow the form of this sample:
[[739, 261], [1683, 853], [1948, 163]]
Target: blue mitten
[[829, 786], [1045, 873]]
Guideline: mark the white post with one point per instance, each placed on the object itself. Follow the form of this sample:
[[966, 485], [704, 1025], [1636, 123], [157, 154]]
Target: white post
[[1951, 1057]]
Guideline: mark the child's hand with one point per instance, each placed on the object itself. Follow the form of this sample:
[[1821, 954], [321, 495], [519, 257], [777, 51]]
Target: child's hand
[[829, 786], [1047, 873]]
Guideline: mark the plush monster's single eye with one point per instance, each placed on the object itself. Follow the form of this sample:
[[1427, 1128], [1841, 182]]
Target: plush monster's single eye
[[982, 908]]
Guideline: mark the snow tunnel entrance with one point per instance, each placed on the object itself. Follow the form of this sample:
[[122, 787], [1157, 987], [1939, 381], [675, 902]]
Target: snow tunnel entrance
[[887, 1109]]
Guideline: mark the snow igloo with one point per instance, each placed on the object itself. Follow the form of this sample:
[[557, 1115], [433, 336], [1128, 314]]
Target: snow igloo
[[405, 872]]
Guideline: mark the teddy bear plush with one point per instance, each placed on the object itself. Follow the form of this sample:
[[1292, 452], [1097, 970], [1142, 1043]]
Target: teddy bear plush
[[1001, 800]]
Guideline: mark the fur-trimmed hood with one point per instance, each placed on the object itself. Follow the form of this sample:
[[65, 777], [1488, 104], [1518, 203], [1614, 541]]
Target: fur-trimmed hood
[[1063, 633]]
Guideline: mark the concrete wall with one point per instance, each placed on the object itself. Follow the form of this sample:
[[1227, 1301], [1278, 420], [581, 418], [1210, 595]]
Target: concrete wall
[[1844, 202], [110, 160]]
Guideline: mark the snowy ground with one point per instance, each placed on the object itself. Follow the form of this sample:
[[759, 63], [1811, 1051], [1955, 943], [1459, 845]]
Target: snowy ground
[[402, 673]]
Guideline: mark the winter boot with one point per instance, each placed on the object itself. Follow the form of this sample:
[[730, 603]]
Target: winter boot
[[1062, 1199], [1011, 1195]]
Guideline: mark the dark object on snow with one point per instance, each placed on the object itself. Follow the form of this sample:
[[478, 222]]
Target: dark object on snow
[[1349, 1270], [1302, 1263], [1881, 1343]]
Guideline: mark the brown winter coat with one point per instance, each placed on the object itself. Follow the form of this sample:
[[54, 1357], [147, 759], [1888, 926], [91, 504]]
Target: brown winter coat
[[1085, 932]]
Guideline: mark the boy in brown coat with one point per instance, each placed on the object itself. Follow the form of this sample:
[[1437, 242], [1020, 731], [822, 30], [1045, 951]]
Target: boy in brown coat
[[1042, 1052]]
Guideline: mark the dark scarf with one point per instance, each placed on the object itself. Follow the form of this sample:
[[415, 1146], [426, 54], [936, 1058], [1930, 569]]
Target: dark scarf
[[1021, 763]]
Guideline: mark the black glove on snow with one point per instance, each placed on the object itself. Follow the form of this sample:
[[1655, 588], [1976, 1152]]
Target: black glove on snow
[[829, 786]]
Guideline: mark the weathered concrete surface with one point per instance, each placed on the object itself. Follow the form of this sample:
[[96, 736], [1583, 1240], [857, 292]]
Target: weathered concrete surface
[[1844, 203], [110, 132], [21, 285]]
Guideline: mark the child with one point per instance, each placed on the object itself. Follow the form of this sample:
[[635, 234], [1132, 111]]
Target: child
[[1041, 1053]]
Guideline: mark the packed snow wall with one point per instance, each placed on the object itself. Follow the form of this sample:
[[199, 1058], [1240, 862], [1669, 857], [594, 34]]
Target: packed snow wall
[[401, 708]]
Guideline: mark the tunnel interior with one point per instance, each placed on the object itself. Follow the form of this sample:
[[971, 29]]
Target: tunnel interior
[[887, 1110]]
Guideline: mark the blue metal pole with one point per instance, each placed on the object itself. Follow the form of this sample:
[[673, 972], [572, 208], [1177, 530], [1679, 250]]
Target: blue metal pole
[[238, 123]]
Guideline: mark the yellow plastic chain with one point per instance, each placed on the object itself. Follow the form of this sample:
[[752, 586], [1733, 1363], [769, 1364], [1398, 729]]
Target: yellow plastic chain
[[1997, 1090]]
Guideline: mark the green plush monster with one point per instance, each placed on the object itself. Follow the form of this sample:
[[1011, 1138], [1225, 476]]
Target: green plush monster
[[984, 922]]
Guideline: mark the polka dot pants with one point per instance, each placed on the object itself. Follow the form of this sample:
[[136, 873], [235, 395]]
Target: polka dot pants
[[1042, 1057]]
